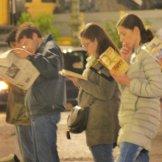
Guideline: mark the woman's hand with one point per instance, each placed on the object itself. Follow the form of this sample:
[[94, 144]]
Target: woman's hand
[[125, 52], [122, 78], [74, 80]]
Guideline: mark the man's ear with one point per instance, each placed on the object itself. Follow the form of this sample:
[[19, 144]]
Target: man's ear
[[34, 36]]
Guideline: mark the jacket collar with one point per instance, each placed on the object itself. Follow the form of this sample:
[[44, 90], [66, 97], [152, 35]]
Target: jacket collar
[[46, 45]]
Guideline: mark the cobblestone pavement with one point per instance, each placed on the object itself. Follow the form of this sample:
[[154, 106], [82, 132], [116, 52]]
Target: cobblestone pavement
[[74, 150]]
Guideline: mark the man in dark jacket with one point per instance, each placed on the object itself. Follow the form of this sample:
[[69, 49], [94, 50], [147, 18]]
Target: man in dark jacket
[[46, 98]]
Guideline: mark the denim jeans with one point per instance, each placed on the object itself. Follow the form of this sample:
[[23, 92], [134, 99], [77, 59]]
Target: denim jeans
[[44, 131], [102, 152], [130, 152], [25, 142]]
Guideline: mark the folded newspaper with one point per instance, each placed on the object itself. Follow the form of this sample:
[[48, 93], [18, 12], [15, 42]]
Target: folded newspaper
[[112, 60], [68, 73], [17, 71], [154, 47]]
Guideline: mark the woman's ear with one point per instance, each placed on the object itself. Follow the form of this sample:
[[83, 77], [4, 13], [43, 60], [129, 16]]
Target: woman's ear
[[96, 42], [136, 30]]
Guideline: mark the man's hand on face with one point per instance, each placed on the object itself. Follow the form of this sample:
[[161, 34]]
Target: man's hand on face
[[21, 52], [26, 46]]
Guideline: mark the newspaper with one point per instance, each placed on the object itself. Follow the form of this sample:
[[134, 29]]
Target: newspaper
[[17, 71], [112, 60], [154, 47], [68, 73]]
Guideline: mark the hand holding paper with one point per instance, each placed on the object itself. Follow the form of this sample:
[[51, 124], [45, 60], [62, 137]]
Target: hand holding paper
[[21, 52], [154, 47], [70, 74], [112, 60], [17, 71], [121, 79]]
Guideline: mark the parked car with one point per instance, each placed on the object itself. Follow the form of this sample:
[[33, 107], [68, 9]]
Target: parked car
[[74, 60]]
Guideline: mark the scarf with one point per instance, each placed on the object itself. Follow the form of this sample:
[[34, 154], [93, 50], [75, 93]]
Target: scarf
[[91, 60]]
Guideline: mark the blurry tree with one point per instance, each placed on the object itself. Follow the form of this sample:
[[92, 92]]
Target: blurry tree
[[110, 28], [75, 21], [44, 22]]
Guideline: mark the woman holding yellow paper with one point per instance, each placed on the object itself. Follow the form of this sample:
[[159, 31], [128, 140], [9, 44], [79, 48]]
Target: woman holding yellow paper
[[100, 94], [139, 114]]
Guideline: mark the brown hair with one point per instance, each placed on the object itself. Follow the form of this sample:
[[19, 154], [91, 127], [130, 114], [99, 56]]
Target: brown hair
[[15, 35], [130, 21], [93, 31], [27, 29]]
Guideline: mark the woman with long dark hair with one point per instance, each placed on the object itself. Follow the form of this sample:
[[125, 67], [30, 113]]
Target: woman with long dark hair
[[139, 114], [100, 94]]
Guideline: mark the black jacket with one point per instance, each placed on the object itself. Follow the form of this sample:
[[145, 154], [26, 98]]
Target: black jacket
[[47, 94]]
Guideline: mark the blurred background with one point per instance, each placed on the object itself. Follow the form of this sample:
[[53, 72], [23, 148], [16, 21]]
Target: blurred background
[[64, 18]]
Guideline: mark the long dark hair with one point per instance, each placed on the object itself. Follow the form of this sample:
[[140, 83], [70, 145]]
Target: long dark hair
[[130, 21], [93, 31]]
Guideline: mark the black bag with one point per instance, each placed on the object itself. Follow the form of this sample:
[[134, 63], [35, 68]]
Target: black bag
[[77, 120]]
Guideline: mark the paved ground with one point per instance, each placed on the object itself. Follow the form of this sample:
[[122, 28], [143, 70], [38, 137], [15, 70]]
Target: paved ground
[[74, 150]]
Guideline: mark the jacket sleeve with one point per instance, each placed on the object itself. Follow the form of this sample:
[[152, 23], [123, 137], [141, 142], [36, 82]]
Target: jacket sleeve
[[102, 90], [152, 85], [46, 65]]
